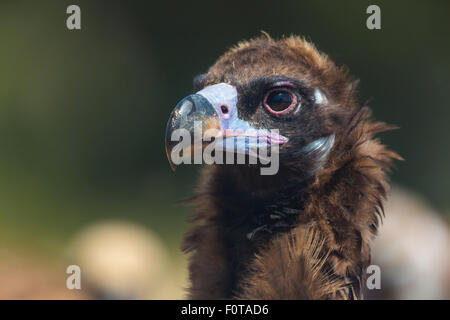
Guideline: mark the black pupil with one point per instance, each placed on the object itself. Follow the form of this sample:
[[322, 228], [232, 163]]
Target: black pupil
[[279, 100]]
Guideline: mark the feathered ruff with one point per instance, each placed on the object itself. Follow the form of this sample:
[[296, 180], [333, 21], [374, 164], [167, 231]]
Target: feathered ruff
[[292, 267], [346, 197]]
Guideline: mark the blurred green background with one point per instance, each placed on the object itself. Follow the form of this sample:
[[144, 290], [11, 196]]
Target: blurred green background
[[83, 113]]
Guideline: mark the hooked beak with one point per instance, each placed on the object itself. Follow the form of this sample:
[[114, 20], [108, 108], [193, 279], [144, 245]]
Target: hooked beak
[[212, 113], [192, 112]]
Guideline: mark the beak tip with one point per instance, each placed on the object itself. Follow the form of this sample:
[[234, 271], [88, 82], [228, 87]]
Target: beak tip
[[190, 110], [173, 167]]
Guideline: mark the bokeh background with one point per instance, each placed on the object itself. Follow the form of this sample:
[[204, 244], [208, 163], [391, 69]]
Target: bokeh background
[[83, 115]]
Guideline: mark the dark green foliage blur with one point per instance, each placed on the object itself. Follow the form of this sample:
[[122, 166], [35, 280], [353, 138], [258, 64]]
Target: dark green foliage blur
[[83, 113]]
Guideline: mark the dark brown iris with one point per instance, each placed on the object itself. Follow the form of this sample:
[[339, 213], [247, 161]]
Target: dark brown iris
[[279, 100]]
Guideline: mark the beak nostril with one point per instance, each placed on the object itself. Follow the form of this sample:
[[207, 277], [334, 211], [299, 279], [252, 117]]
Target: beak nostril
[[224, 109]]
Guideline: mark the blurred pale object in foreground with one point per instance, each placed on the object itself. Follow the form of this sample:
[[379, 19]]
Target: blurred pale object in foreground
[[119, 260], [412, 250], [27, 276]]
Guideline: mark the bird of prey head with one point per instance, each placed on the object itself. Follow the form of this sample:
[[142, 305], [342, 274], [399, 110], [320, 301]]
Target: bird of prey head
[[264, 85], [320, 210]]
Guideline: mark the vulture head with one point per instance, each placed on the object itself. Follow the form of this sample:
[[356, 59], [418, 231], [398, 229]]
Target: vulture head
[[264, 94], [310, 162]]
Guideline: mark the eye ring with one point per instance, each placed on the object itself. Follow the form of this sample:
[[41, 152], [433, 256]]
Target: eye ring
[[293, 101]]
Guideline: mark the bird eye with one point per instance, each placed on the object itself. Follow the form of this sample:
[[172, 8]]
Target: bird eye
[[280, 101]]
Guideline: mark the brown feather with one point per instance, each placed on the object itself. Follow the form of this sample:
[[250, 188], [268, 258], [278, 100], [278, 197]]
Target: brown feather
[[292, 267]]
